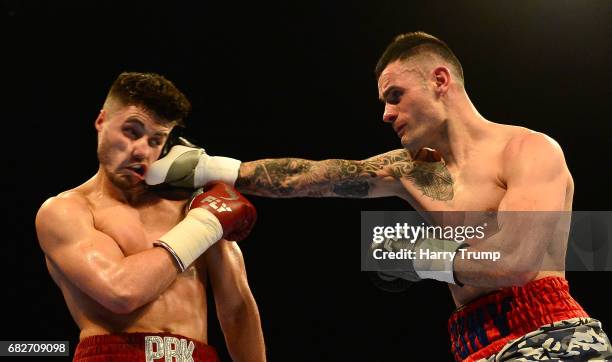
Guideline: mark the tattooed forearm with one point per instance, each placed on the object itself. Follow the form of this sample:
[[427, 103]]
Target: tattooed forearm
[[351, 189], [276, 177], [294, 177]]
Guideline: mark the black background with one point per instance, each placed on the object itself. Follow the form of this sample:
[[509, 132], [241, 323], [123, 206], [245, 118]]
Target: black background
[[280, 79]]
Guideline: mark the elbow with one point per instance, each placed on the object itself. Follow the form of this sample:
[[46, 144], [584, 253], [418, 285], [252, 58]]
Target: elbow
[[237, 312], [121, 297], [521, 278], [121, 302], [120, 290], [231, 315], [122, 306], [519, 270]]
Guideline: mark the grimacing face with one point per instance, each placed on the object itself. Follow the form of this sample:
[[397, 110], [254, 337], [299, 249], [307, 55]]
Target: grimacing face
[[412, 105], [130, 139]]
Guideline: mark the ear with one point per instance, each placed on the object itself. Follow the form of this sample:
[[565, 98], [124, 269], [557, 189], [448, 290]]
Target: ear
[[442, 78], [100, 120]]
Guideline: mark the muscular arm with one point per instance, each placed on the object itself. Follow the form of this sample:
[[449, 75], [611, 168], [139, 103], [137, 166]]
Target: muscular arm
[[377, 176], [532, 216], [236, 307], [93, 261]]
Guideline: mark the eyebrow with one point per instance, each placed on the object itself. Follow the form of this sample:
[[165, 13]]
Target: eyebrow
[[141, 123], [133, 119], [386, 93]]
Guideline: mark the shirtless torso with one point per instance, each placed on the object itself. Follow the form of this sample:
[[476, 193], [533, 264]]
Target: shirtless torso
[[180, 309], [98, 243], [479, 183]]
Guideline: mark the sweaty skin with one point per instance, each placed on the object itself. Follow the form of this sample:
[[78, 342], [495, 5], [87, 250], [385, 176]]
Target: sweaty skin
[[127, 231], [427, 186], [98, 243], [453, 160]]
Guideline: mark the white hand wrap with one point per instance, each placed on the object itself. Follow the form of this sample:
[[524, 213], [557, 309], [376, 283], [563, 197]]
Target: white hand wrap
[[191, 237]]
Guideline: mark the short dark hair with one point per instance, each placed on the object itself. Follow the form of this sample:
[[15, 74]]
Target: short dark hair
[[153, 92], [408, 45]]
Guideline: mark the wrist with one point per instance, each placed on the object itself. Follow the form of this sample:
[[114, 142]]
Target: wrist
[[191, 237]]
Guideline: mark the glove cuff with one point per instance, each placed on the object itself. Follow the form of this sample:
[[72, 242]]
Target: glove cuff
[[216, 168]]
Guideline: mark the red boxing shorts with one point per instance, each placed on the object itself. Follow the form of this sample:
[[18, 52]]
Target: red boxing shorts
[[143, 347], [482, 327]]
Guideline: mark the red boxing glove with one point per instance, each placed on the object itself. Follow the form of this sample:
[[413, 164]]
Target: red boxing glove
[[235, 213]]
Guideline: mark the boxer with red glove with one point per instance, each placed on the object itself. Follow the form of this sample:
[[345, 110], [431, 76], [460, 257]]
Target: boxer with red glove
[[218, 211]]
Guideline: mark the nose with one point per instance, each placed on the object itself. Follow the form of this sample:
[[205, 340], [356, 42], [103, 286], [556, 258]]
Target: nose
[[390, 113], [141, 149]]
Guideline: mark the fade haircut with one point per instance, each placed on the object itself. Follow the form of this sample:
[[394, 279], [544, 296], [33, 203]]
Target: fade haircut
[[406, 46], [152, 92]]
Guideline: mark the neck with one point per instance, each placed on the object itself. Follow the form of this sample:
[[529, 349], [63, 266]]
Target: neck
[[463, 128]]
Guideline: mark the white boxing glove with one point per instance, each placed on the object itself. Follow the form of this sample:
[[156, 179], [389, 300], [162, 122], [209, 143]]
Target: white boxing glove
[[191, 167]]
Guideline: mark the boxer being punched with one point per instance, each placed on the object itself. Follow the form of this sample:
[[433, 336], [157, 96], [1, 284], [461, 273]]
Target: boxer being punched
[[134, 266], [453, 159]]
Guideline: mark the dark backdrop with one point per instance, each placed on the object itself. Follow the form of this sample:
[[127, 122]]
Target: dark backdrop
[[281, 79]]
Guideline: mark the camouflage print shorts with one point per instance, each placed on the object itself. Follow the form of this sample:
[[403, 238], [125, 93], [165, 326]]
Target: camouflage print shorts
[[576, 339]]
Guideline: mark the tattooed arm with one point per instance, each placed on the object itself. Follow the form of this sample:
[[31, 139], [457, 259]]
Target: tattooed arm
[[377, 176]]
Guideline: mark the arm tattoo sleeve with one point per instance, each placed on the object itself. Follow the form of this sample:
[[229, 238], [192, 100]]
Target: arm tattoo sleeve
[[294, 177]]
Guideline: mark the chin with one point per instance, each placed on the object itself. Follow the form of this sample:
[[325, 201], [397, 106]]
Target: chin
[[415, 140], [406, 142], [125, 182]]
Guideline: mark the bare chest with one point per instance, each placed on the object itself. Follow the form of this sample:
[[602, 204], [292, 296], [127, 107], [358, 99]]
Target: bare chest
[[468, 189], [136, 228]]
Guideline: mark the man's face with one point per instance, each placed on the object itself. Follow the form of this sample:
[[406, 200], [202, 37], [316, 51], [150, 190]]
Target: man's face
[[411, 104], [130, 138]]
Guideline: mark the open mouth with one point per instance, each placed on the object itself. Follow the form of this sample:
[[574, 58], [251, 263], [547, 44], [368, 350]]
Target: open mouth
[[137, 169]]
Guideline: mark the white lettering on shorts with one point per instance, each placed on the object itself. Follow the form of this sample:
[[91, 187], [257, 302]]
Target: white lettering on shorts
[[171, 349]]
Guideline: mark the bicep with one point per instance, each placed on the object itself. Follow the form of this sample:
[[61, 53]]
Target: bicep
[[84, 255]]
